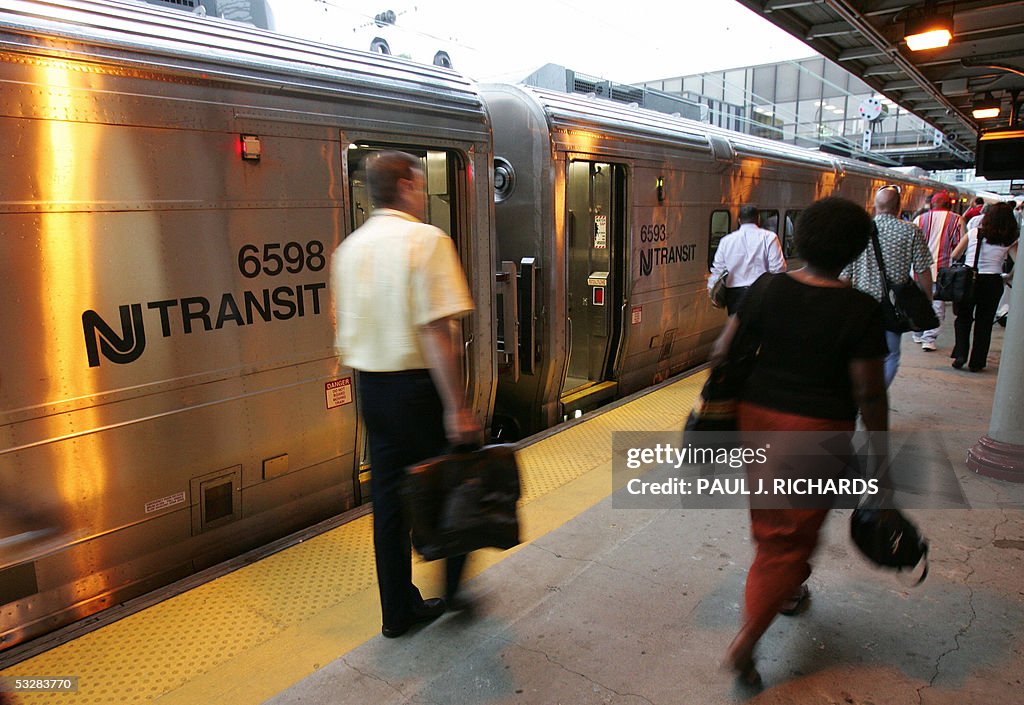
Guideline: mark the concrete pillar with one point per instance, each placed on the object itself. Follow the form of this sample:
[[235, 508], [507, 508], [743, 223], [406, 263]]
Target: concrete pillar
[[1000, 454]]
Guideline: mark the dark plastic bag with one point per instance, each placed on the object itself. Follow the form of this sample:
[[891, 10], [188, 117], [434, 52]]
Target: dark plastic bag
[[888, 539], [463, 501]]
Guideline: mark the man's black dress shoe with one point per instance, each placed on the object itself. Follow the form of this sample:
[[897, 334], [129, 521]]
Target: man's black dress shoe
[[459, 603], [959, 362], [427, 611]]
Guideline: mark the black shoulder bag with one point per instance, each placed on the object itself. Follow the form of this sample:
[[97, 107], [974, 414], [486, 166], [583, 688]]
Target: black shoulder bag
[[956, 282], [904, 306]]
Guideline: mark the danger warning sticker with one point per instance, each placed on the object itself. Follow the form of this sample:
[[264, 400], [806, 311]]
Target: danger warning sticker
[[339, 392]]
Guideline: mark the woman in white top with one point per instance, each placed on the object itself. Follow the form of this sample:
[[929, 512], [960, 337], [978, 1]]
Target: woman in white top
[[997, 235]]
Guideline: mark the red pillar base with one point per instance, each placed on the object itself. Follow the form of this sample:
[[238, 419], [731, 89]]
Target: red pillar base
[[991, 458]]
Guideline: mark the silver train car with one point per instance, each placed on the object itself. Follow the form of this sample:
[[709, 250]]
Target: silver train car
[[171, 192], [610, 215]]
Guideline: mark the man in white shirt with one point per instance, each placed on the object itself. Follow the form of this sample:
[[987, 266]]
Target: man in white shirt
[[743, 256], [398, 288]]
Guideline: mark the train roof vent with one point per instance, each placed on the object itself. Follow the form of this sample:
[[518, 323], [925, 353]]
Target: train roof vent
[[626, 94], [722, 150], [558, 78], [187, 4], [251, 12]]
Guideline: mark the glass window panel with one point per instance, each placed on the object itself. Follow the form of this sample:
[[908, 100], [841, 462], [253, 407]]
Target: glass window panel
[[713, 85], [769, 220], [439, 168], [852, 105], [693, 84], [809, 112], [735, 87], [788, 248], [836, 80], [785, 83], [786, 111], [810, 78], [720, 227], [764, 83]]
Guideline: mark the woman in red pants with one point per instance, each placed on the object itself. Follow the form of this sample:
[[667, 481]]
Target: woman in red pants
[[820, 346]]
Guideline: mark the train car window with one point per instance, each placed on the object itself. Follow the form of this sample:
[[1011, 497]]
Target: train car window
[[769, 220], [789, 229], [440, 168], [721, 225]]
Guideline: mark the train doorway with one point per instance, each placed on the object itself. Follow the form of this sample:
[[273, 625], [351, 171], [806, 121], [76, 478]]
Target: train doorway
[[446, 207], [595, 197]]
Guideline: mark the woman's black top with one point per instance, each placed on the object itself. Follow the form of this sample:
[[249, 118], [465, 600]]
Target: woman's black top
[[808, 335]]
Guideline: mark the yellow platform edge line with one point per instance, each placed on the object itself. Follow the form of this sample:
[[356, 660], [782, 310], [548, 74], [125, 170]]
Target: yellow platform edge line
[[291, 652]]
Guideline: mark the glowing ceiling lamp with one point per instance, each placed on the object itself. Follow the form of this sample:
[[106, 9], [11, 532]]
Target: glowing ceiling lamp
[[929, 29], [986, 107]]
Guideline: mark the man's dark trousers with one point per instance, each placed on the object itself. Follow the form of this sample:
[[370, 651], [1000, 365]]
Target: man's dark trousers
[[734, 296], [405, 423]]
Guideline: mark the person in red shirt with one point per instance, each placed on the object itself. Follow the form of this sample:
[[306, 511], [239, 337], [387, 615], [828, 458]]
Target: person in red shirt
[[974, 210], [942, 230]]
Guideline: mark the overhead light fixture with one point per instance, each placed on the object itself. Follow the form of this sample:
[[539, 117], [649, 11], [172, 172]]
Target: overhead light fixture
[[986, 107], [928, 29]]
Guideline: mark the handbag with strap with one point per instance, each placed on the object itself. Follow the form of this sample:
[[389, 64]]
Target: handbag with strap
[[715, 407], [904, 306], [956, 282], [463, 501]]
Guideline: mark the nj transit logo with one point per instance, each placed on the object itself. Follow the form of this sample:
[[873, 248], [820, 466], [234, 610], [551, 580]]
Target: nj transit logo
[[100, 337]]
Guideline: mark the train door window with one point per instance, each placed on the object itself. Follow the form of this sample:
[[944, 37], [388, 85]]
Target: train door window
[[595, 198], [440, 168], [789, 230], [769, 220], [721, 225]]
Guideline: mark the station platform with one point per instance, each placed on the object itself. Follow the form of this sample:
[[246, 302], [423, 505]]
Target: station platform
[[599, 604]]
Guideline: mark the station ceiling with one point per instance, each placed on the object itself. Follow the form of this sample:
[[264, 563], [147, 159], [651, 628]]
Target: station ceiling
[[865, 37]]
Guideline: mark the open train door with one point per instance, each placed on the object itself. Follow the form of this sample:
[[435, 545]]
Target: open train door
[[595, 225]]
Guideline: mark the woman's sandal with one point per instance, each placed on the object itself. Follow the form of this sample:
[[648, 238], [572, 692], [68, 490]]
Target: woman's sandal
[[746, 673], [794, 604], [741, 662]]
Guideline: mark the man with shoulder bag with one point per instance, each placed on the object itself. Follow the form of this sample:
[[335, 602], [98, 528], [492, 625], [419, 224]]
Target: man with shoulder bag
[[898, 247], [742, 256], [398, 290]]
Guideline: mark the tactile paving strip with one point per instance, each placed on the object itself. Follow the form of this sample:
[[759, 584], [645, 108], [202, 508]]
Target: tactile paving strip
[[157, 651], [559, 459]]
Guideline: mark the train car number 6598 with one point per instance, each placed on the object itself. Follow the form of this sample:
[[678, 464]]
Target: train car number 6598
[[291, 257]]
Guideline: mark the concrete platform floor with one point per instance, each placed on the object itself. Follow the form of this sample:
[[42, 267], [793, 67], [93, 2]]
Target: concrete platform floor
[[637, 606]]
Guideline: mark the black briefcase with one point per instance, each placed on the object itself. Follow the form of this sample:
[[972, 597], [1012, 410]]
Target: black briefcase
[[461, 502]]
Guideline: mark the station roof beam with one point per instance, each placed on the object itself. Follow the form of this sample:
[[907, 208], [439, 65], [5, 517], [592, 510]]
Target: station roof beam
[[866, 37]]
